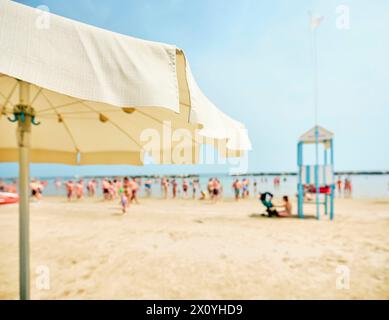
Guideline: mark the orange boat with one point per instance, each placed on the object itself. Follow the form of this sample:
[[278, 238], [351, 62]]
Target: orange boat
[[8, 198]]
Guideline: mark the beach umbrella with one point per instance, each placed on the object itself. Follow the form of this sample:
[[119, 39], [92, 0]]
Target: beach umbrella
[[77, 94]]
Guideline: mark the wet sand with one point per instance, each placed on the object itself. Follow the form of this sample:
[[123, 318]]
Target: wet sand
[[188, 249]]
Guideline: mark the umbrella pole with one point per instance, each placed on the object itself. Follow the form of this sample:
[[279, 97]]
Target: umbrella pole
[[23, 134]]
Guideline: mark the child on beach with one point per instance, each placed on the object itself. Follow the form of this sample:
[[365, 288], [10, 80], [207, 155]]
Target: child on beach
[[126, 195], [245, 187]]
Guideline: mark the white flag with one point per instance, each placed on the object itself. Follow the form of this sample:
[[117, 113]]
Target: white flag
[[315, 21]]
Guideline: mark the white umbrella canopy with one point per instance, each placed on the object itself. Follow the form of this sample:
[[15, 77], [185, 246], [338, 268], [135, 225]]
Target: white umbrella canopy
[[229, 136], [79, 72], [73, 131], [77, 94]]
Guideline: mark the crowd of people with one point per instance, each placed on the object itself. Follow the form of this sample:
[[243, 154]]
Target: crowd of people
[[112, 188], [126, 190]]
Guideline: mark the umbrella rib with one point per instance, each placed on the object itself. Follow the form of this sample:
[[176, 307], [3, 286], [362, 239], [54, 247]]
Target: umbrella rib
[[114, 124], [8, 98], [59, 107], [63, 122], [36, 96], [84, 112]]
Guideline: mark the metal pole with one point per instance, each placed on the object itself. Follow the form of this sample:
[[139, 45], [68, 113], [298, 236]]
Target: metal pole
[[325, 177], [300, 182], [316, 125], [333, 182], [23, 135]]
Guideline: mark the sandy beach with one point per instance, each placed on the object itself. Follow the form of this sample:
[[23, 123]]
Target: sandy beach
[[186, 249]]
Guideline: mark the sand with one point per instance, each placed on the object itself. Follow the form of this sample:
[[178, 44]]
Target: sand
[[188, 249]]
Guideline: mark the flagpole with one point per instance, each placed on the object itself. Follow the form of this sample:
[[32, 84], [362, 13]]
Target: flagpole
[[316, 107]]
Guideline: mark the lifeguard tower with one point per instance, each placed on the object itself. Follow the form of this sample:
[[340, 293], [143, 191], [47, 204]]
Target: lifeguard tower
[[317, 180]]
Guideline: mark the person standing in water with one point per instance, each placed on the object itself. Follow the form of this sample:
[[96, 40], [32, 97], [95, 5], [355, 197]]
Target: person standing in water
[[91, 187], [215, 190], [174, 188], [134, 190], [237, 186], [69, 189], [165, 187], [255, 187], [148, 185], [185, 187], [195, 186], [210, 188], [80, 190], [339, 185]]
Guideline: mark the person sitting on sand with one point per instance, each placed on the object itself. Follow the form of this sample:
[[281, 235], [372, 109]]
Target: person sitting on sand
[[287, 208]]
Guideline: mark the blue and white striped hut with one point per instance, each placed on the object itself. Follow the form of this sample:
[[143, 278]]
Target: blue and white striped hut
[[317, 179]]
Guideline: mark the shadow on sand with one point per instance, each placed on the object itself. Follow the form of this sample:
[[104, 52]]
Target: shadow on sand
[[294, 217]]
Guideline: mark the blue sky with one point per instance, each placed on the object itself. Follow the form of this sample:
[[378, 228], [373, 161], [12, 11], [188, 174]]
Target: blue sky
[[253, 59]]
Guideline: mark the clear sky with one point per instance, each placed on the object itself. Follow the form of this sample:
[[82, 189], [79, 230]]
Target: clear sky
[[253, 59]]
